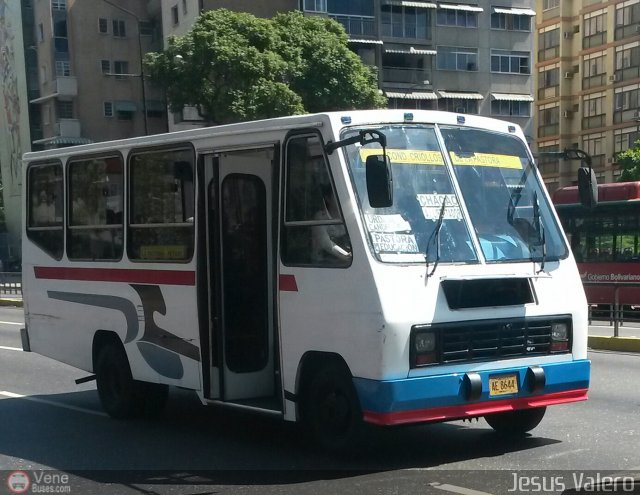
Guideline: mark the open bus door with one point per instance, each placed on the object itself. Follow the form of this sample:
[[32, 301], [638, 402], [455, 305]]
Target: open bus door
[[239, 251]]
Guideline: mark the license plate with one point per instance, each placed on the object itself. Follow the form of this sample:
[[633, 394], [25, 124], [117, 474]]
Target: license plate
[[503, 385]]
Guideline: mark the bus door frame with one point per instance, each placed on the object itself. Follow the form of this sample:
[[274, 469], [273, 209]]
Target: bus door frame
[[219, 381]]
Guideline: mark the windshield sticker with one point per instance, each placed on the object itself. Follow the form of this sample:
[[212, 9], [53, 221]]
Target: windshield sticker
[[486, 160], [413, 157], [394, 243], [387, 223], [432, 206]]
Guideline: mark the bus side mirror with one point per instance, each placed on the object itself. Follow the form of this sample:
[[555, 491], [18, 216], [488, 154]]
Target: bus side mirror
[[379, 181], [587, 187]]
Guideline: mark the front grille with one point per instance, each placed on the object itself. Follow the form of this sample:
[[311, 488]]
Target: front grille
[[487, 340]]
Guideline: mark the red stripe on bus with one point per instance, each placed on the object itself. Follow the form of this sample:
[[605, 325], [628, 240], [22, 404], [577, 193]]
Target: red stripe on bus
[[168, 277], [473, 409], [288, 283]]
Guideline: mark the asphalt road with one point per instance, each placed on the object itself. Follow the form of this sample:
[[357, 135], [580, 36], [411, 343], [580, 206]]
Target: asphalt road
[[48, 422]]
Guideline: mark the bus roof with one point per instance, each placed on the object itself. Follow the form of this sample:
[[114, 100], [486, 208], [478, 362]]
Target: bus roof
[[335, 119], [617, 191]]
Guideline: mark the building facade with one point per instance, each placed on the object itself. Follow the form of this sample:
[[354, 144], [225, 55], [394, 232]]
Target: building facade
[[90, 78], [464, 57], [587, 84]]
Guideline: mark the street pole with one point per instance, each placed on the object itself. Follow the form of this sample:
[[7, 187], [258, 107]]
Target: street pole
[[144, 98]]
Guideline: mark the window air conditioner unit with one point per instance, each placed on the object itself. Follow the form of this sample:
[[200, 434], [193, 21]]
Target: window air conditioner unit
[[568, 75], [613, 78], [567, 34]]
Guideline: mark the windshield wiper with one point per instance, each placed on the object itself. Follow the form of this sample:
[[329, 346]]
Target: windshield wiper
[[435, 235]]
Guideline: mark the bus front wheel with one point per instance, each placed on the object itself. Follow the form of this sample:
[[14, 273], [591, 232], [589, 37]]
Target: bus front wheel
[[121, 396], [331, 408], [516, 423]]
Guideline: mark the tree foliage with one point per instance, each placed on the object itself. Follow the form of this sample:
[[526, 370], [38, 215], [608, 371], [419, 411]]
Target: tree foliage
[[235, 66], [629, 163]]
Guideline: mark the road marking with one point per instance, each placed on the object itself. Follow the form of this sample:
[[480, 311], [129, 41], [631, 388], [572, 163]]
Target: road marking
[[457, 489], [10, 348], [12, 395], [11, 323], [560, 454]]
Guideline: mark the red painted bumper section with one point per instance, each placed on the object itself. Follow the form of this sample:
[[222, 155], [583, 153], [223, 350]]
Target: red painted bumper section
[[472, 410]]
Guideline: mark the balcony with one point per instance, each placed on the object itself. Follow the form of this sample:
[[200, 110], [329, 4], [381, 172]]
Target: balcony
[[627, 115], [598, 161], [548, 92], [627, 73], [549, 53], [626, 31], [66, 86], [548, 130], [405, 31], [594, 81], [69, 128], [594, 121], [61, 44], [356, 25], [594, 40], [404, 75]]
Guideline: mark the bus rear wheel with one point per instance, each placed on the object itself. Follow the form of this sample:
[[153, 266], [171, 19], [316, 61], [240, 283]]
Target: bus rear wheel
[[516, 423], [331, 409], [121, 396]]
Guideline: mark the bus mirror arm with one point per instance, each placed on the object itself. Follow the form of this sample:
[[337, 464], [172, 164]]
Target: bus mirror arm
[[363, 137], [587, 182]]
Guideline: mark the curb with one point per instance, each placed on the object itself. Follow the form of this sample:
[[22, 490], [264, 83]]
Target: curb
[[624, 344], [11, 302]]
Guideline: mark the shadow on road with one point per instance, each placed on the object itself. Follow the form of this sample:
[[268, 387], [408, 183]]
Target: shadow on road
[[194, 444]]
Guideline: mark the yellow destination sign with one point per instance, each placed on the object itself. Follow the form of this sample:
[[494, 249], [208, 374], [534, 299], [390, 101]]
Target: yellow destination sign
[[487, 160], [415, 157]]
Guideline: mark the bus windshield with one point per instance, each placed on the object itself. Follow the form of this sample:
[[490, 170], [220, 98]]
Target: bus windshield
[[507, 210]]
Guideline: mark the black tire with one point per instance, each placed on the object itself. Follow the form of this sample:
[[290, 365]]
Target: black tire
[[331, 409], [121, 396], [116, 387], [516, 423]]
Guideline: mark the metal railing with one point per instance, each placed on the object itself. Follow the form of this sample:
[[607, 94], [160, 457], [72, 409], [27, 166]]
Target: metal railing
[[615, 312], [11, 283]]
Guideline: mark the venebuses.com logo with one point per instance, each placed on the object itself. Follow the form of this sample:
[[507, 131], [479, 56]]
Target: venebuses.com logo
[[44, 481], [18, 482]]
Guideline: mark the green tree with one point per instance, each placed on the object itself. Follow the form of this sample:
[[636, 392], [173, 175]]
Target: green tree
[[235, 66], [629, 162]]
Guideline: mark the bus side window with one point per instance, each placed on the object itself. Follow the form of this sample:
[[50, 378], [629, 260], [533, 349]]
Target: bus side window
[[45, 208], [161, 193], [96, 201], [314, 233]]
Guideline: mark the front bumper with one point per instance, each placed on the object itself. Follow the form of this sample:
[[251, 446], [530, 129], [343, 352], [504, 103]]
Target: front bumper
[[466, 395]]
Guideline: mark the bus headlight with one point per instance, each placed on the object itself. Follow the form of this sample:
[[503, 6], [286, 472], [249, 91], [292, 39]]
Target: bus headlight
[[559, 337], [425, 342], [424, 348]]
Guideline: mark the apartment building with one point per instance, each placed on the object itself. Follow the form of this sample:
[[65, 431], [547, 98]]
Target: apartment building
[[90, 78], [587, 84], [472, 57], [465, 57]]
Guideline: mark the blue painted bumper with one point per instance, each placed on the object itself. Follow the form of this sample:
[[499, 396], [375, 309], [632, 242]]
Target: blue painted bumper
[[442, 397]]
